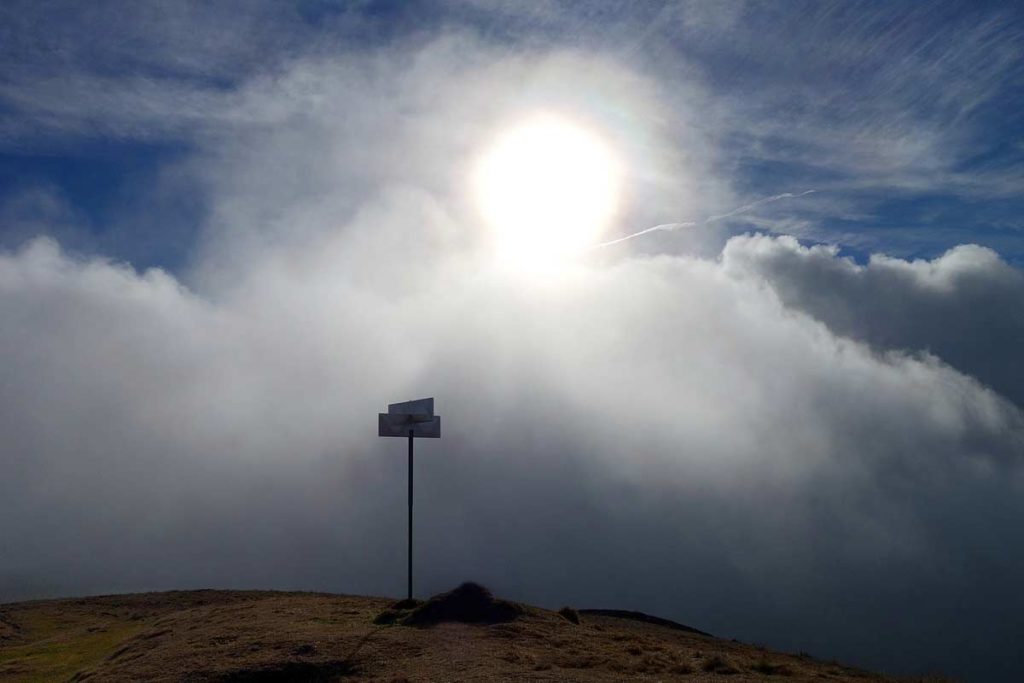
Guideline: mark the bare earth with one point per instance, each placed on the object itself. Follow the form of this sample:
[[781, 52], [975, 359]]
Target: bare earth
[[270, 636]]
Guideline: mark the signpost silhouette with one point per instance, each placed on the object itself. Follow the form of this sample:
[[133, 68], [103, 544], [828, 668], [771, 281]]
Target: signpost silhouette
[[410, 419]]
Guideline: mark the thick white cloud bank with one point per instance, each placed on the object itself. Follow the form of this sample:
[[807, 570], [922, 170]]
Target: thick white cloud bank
[[773, 444], [967, 306], [722, 457]]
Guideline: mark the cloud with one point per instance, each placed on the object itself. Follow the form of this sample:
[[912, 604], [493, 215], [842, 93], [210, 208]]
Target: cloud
[[873, 105], [963, 306], [739, 441], [763, 468]]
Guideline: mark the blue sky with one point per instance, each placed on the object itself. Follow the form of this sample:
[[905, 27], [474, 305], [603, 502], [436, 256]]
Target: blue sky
[[902, 115], [231, 233]]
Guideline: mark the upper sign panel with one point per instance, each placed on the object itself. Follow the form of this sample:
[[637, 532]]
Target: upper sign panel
[[421, 406]]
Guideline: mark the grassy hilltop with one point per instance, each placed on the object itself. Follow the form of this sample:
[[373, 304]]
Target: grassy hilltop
[[464, 635]]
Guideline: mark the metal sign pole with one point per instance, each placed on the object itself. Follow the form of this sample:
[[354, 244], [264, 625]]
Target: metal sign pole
[[410, 513], [410, 419]]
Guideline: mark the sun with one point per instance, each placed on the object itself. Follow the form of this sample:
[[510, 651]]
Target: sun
[[546, 188]]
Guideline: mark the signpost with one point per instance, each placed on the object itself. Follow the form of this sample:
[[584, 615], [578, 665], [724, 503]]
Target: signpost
[[410, 419]]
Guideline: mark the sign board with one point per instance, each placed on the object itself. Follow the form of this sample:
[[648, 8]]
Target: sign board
[[417, 416], [422, 426], [421, 406]]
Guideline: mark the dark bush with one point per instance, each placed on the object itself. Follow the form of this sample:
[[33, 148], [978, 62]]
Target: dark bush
[[470, 603], [570, 614]]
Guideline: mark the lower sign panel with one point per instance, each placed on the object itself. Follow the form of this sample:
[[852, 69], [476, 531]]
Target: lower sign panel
[[422, 426]]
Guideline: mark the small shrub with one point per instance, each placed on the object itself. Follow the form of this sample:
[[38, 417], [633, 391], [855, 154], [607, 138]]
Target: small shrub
[[470, 603], [719, 665], [681, 668], [569, 614]]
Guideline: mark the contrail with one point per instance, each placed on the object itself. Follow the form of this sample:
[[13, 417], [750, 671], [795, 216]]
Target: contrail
[[663, 226], [710, 219]]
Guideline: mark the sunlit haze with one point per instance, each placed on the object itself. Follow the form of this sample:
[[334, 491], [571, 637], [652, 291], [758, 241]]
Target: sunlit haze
[[546, 189]]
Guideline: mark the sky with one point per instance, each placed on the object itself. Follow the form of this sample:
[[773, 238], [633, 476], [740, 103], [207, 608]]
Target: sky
[[231, 233]]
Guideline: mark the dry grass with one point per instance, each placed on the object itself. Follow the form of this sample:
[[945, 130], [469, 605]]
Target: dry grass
[[262, 636]]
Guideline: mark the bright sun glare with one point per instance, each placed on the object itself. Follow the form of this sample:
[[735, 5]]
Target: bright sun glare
[[547, 188]]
